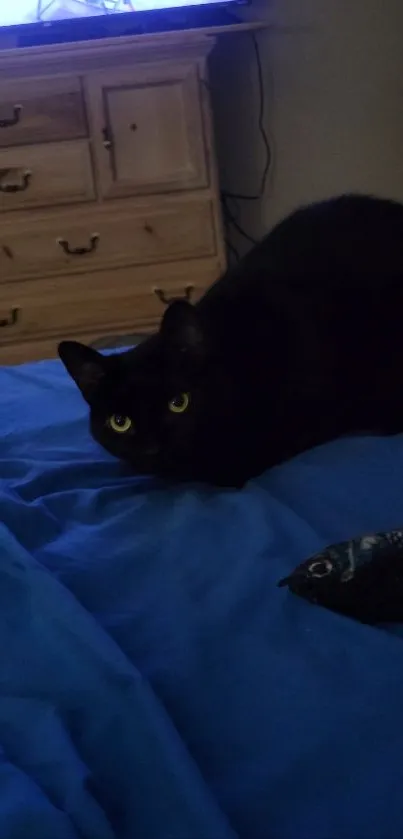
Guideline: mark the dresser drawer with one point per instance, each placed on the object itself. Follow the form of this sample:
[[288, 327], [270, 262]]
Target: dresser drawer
[[41, 109], [99, 303], [84, 240], [52, 173]]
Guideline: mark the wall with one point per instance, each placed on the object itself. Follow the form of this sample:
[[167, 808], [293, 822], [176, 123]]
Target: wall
[[333, 73]]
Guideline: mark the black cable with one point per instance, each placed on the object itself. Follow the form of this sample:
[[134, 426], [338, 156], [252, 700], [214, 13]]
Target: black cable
[[232, 249], [229, 245], [230, 218], [262, 131]]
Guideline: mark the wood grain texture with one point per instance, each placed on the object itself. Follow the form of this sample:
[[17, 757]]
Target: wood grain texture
[[126, 139], [126, 235], [51, 109], [148, 129], [59, 173], [118, 301]]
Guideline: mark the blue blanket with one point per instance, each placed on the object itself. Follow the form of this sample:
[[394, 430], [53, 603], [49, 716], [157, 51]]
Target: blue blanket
[[154, 682]]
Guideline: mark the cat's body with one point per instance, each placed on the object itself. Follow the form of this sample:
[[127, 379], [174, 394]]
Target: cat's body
[[300, 343]]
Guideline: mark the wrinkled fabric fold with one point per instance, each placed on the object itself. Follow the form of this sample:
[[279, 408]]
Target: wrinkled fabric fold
[[154, 681]]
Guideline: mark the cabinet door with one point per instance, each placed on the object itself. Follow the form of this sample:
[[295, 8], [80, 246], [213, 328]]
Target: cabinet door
[[148, 130]]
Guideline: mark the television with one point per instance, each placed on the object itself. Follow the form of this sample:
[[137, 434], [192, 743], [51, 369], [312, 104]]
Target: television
[[52, 21]]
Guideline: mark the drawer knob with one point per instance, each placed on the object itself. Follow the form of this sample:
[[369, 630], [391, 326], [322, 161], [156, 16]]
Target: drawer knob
[[167, 300], [11, 320], [8, 123], [10, 185], [93, 244]]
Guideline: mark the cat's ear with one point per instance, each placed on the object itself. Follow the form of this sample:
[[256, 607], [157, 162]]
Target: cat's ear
[[181, 329], [86, 366]]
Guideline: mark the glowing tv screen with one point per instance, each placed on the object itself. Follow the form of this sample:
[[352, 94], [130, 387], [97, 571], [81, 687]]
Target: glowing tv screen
[[20, 12]]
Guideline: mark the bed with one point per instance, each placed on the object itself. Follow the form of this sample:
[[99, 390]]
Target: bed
[[155, 683]]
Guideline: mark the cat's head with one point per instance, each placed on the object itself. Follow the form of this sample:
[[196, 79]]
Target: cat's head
[[154, 406]]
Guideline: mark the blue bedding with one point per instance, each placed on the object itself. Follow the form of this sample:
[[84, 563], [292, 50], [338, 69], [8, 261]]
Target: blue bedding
[[154, 682]]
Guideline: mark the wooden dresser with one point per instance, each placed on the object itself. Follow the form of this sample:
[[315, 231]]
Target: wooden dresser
[[109, 202]]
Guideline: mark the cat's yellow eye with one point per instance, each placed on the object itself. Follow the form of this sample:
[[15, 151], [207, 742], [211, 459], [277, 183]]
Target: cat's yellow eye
[[120, 423], [179, 404]]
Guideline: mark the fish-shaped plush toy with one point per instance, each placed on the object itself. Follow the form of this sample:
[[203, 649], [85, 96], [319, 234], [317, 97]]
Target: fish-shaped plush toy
[[361, 578]]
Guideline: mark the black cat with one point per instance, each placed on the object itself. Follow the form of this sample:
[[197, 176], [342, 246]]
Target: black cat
[[300, 343]]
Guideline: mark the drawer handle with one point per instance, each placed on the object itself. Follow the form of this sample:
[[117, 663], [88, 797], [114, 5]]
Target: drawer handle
[[107, 139], [10, 187], [14, 120], [167, 300], [12, 320], [94, 239]]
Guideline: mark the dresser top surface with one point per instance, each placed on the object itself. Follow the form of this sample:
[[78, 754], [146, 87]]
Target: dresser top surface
[[169, 40]]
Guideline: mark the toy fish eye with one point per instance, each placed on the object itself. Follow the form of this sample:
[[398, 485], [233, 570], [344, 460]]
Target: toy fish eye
[[179, 404], [320, 568], [120, 423]]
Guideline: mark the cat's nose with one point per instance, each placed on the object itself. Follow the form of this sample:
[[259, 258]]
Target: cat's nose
[[151, 451]]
